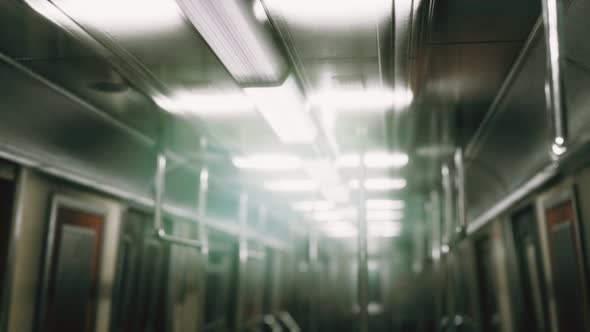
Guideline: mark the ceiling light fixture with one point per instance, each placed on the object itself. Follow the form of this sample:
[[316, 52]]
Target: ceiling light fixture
[[242, 43], [383, 229], [309, 206], [285, 110], [338, 229], [354, 100], [385, 159], [268, 162], [206, 103], [375, 159], [384, 215], [125, 18], [343, 229], [381, 184], [384, 204], [332, 13], [328, 216], [323, 172], [291, 185]]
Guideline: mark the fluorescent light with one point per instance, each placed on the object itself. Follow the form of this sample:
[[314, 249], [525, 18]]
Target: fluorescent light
[[348, 161], [402, 98], [385, 184], [356, 100], [340, 229], [384, 204], [383, 229], [285, 110], [343, 229], [332, 13], [206, 102], [384, 215], [308, 206], [242, 44], [324, 173], [268, 162], [335, 215], [328, 216], [375, 159], [385, 159], [381, 184], [291, 185], [126, 18]]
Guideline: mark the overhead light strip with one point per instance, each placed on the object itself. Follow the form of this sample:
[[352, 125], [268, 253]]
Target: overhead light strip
[[242, 43], [284, 108]]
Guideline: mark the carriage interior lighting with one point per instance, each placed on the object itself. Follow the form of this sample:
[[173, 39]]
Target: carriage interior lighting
[[332, 13], [384, 204], [380, 184], [384, 215], [361, 100], [309, 206], [344, 229], [326, 175], [291, 185], [126, 17], [268, 162], [338, 229], [335, 215], [385, 160], [375, 159], [383, 229], [242, 43], [286, 111], [206, 102], [351, 213]]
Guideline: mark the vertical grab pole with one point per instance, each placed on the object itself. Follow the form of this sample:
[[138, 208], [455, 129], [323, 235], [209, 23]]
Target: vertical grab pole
[[554, 83], [202, 208], [461, 196], [202, 203], [314, 274], [242, 261], [447, 186], [159, 192], [363, 259], [203, 238]]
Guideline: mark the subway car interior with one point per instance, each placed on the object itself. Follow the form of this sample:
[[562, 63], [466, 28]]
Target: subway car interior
[[294, 165]]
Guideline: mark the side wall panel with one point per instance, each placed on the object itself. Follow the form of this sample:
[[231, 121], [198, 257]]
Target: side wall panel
[[31, 247]]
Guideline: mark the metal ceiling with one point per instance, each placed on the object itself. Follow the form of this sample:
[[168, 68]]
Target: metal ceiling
[[109, 67]]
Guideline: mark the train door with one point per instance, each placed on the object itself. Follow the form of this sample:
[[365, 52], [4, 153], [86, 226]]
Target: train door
[[532, 312], [568, 270], [73, 252], [254, 280], [223, 257], [489, 302], [139, 295], [462, 287], [7, 196]]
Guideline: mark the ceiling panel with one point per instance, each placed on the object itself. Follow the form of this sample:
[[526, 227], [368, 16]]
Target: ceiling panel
[[25, 34], [469, 76], [514, 144], [461, 21], [577, 29]]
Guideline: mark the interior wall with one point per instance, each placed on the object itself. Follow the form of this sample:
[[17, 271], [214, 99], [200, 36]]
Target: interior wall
[[38, 192], [186, 281]]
